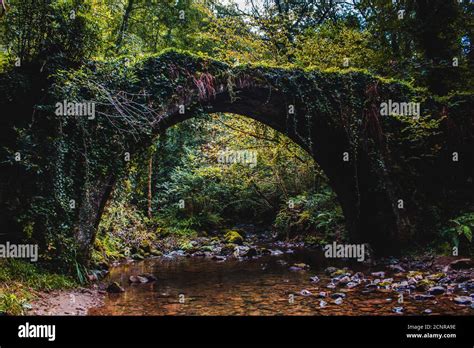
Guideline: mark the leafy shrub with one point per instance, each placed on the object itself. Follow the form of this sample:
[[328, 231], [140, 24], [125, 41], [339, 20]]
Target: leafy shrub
[[460, 229], [313, 213], [11, 304], [19, 281]]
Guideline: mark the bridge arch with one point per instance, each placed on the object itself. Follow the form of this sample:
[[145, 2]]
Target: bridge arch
[[332, 115]]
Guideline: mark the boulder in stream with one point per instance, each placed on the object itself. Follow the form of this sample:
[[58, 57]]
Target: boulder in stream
[[463, 300], [461, 264], [115, 288], [150, 277], [436, 290], [250, 253]]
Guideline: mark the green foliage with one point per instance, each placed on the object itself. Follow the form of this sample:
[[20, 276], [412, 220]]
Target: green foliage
[[11, 304], [122, 233], [32, 276], [460, 228], [19, 282], [330, 45], [57, 33], [314, 213]]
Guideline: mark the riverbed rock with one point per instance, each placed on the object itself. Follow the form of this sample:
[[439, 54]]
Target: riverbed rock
[[142, 279], [218, 258], [338, 301], [436, 276], [463, 300], [402, 286], [301, 265], [234, 237], [416, 275], [378, 274], [385, 282], [461, 264], [250, 253], [369, 288], [228, 249], [461, 278], [444, 280], [150, 277], [175, 253], [338, 295], [398, 309], [470, 285], [343, 281], [340, 273], [276, 252], [240, 250], [208, 248], [367, 291], [137, 279], [424, 284], [330, 270], [115, 288], [427, 311], [436, 290], [265, 251], [397, 268], [351, 285], [314, 279], [295, 269], [305, 292], [156, 252], [423, 297]]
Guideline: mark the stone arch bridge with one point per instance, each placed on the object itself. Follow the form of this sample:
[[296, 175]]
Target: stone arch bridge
[[387, 171]]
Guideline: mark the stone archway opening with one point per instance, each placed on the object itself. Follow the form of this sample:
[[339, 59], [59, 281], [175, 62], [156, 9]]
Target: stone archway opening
[[251, 182]]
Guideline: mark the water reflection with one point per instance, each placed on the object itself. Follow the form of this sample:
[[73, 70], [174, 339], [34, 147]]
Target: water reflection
[[263, 286]]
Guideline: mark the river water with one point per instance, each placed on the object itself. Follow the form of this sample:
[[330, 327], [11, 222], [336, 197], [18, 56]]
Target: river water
[[255, 286]]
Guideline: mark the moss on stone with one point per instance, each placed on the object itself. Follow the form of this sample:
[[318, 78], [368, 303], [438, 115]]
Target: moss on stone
[[234, 237]]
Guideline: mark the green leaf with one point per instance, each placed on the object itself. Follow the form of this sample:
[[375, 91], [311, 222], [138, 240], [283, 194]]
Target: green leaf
[[467, 232]]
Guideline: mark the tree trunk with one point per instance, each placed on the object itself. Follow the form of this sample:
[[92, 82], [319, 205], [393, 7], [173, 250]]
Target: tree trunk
[[150, 172], [90, 212], [124, 26]]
